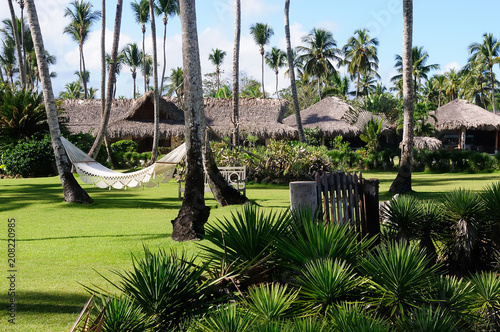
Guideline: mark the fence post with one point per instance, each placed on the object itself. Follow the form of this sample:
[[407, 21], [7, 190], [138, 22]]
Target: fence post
[[303, 194], [370, 190]]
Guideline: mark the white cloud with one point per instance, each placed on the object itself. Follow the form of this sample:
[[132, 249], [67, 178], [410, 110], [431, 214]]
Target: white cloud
[[258, 7], [451, 65]]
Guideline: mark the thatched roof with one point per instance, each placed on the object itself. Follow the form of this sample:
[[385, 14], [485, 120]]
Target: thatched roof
[[259, 117], [327, 115], [461, 113], [426, 143]]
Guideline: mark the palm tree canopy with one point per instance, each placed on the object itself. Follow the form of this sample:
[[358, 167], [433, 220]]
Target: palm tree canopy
[[217, 57], [276, 59], [319, 52], [486, 52], [261, 33], [167, 8], [132, 56], [361, 54], [141, 11], [82, 17], [420, 68]]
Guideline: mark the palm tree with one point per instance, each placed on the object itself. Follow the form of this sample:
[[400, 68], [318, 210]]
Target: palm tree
[[217, 57], [291, 69], [18, 46], [71, 189], [82, 17], [486, 53], [120, 61], [8, 60], [132, 57], [168, 8], [361, 56], [318, 54], [276, 60], [236, 73], [439, 84], [176, 85], [156, 136], [147, 69], [141, 13], [72, 90], [261, 34], [452, 83], [402, 183]]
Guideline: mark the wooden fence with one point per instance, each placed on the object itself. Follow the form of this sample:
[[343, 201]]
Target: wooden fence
[[347, 197]]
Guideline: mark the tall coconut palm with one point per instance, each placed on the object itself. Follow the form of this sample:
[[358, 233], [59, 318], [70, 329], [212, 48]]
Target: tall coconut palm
[[440, 85], [156, 136], [82, 17], [452, 83], [167, 8], [189, 223], [18, 46], [261, 35], [235, 119], [318, 53], [8, 60], [71, 189], [216, 58], [23, 48], [132, 57], [402, 183], [141, 14], [176, 85], [291, 69], [488, 52], [276, 60], [361, 56]]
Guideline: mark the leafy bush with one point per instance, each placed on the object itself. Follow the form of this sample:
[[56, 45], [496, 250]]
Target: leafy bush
[[126, 153], [33, 157]]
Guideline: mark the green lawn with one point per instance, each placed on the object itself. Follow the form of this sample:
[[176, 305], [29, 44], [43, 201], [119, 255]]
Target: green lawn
[[60, 246]]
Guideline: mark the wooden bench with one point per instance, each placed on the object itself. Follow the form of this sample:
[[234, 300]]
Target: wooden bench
[[235, 176]]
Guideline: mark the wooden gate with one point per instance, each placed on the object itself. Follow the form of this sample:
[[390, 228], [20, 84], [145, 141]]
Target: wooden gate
[[347, 197]]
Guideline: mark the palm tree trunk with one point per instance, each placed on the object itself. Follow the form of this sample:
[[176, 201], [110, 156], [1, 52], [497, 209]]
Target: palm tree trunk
[[84, 75], [23, 48], [492, 89], [144, 56], [156, 136], [236, 72], [277, 95], [291, 70], [357, 85], [262, 55], [402, 183], [319, 87], [22, 74], [72, 191], [133, 78], [189, 223], [165, 21], [94, 151], [1, 75]]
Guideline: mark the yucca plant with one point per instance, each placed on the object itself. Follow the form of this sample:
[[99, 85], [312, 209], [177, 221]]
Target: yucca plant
[[402, 215], [244, 242], [491, 199], [168, 288], [326, 282], [271, 302], [225, 318], [432, 227], [306, 324], [467, 247], [485, 299], [309, 239], [122, 314], [399, 277], [427, 319], [355, 318]]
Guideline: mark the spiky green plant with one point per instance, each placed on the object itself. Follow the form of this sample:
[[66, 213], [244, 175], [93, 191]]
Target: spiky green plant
[[491, 198], [427, 319], [122, 314], [485, 299], [355, 318], [399, 277], [325, 282], [307, 324], [225, 319], [245, 241], [271, 302], [403, 215]]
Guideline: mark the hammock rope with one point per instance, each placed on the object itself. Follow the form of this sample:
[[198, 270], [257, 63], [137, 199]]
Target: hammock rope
[[94, 173]]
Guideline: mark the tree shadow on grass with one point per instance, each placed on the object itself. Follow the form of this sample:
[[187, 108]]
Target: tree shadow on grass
[[138, 236], [50, 302]]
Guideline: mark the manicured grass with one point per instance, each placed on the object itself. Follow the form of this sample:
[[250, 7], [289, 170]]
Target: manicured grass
[[60, 246]]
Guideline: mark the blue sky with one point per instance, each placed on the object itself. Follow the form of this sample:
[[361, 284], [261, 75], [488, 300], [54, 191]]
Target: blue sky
[[444, 28]]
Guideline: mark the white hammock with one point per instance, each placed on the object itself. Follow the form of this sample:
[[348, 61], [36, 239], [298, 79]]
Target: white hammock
[[92, 172]]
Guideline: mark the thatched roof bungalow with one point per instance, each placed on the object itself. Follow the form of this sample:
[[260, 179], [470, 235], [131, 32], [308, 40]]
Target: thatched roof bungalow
[[463, 124], [133, 119]]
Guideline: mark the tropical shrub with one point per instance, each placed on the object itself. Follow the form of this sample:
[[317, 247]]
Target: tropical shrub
[[34, 157], [126, 154]]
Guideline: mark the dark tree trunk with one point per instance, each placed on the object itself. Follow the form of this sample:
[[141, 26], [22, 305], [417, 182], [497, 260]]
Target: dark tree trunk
[[291, 70], [17, 41], [236, 73], [156, 136], [73, 193], [190, 222], [94, 151], [402, 183]]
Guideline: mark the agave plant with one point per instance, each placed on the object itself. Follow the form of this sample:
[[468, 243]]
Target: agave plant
[[122, 314], [402, 216], [246, 241], [491, 199], [427, 319], [326, 282], [467, 247], [399, 277], [225, 319], [486, 299], [271, 302], [355, 318], [168, 288]]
